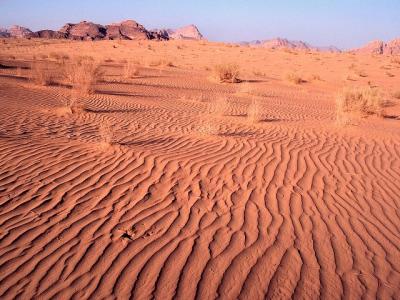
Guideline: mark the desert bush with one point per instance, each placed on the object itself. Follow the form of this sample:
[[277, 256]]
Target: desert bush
[[315, 77], [294, 78], [82, 74], [58, 56], [361, 73], [254, 111], [259, 73], [395, 60], [396, 94], [362, 101], [130, 70], [227, 73], [41, 74], [161, 63]]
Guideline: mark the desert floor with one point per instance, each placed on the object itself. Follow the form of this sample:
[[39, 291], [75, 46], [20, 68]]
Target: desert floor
[[154, 191]]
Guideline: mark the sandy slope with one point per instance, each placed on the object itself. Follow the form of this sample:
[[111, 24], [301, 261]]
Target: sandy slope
[[294, 206]]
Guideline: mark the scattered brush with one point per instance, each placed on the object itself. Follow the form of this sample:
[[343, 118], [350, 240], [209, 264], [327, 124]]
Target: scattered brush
[[388, 74], [396, 94], [162, 63], [58, 56], [361, 101], [259, 73], [227, 73], [361, 73], [294, 78], [254, 111], [83, 74], [71, 105], [315, 77], [41, 74]]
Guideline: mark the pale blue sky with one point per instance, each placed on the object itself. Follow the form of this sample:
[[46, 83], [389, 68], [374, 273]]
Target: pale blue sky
[[343, 23]]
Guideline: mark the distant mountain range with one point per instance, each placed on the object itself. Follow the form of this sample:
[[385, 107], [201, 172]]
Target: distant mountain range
[[125, 30], [279, 43], [379, 47], [131, 30]]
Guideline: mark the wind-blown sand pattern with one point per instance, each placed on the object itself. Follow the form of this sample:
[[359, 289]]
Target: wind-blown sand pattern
[[293, 206]]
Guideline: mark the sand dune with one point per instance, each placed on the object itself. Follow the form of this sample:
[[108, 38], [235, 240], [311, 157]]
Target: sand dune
[[293, 206]]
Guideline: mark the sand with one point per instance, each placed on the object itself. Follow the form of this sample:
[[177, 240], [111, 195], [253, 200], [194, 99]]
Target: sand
[[176, 199]]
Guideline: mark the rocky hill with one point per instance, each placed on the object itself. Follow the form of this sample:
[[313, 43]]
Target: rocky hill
[[380, 47], [280, 43], [190, 32]]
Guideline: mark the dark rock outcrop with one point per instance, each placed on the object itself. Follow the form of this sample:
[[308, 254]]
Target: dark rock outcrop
[[51, 34], [84, 31], [128, 30]]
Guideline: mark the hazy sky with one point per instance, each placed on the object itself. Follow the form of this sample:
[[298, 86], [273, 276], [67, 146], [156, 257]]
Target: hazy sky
[[343, 23]]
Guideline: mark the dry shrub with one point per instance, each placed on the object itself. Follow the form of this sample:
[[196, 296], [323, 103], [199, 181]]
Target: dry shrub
[[71, 105], [389, 74], [259, 73], [361, 73], [130, 70], [396, 94], [227, 73], [41, 74], [294, 78], [161, 63], [315, 77], [255, 112], [83, 74], [361, 101], [395, 60], [58, 56]]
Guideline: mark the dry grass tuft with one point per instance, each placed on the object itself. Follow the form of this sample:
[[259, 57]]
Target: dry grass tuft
[[83, 74], [361, 101], [255, 111], [161, 63], [227, 73], [41, 74], [294, 78], [315, 77]]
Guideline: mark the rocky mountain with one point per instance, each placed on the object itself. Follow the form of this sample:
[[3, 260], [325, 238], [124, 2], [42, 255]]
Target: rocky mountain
[[84, 31], [190, 32], [126, 30], [380, 47], [280, 43], [20, 32]]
